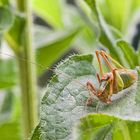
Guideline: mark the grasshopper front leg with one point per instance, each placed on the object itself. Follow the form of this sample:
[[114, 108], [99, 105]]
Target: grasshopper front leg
[[107, 80], [117, 80], [92, 92], [116, 84], [113, 78], [106, 56]]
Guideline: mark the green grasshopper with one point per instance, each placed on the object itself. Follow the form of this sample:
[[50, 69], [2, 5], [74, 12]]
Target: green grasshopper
[[111, 82]]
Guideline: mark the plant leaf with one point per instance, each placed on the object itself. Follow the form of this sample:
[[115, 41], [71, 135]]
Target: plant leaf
[[6, 107], [4, 2], [102, 127], [55, 48], [129, 53], [64, 102], [10, 131], [6, 18], [106, 36], [36, 133], [49, 10], [10, 117], [8, 73], [122, 17], [15, 35]]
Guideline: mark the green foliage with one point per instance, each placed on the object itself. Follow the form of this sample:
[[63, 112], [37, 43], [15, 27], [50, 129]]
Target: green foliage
[[106, 36], [55, 48], [101, 127], [6, 18], [8, 73], [64, 99], [15, 35], [9, 117], [119, 18], [37, 133], [129, 53], [64, 102], [6, 107], [49, 10], [10, 130], [4, 2]]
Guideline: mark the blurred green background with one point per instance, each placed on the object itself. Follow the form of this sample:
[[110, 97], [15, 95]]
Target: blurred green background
[[59, 28]]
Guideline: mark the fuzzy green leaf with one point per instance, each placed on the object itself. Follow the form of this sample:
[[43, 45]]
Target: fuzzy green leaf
[[64, 102], [65, 97], [37, 133], [104, 127]]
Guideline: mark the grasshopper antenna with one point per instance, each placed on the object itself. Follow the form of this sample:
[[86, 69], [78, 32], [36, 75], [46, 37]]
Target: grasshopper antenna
[[40, 65]]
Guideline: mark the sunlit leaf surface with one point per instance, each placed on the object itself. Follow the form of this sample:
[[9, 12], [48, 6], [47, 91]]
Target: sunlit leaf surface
[[104, 127]]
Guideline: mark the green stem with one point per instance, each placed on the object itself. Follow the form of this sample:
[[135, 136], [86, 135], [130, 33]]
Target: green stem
[[27, 72], [20, 5]]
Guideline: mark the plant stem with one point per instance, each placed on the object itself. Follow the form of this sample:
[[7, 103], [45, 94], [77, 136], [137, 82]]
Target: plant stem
[[27, 72], [20, 5]]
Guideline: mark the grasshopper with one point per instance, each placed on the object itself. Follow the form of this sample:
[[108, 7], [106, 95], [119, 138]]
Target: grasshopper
[[117, 79], [110, 83]]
